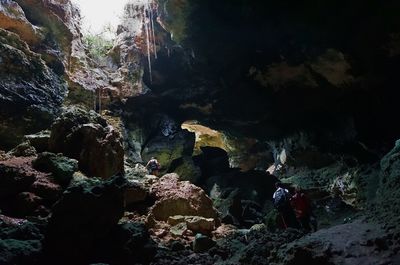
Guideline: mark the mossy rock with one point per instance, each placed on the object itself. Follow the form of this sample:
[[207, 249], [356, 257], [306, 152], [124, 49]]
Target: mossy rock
[[60, 166]]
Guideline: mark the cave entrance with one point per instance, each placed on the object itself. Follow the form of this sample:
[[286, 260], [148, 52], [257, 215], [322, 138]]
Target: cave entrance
[[205, 136]]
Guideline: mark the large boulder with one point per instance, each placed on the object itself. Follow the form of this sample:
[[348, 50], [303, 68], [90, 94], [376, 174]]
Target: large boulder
[[83, 219], [61, 167], [174, 197], [25, 191], [87, 137]]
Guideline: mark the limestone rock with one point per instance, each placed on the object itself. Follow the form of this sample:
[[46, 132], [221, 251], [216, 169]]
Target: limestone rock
[[87, 137], [40, 140], [16, 175], [84, 217], [201, 225], [31, 93], [23, 149], [61, 167], [176, 197], [134, 193], [197, 224]]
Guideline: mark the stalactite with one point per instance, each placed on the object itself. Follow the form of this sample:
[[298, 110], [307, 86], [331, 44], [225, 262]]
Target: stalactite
[[152, 30], [146, 26], [99, 89]]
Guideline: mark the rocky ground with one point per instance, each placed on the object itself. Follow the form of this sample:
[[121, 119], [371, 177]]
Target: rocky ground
[[56, 211]]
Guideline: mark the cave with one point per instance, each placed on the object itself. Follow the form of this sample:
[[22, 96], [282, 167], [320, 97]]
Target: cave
[[178, 132]]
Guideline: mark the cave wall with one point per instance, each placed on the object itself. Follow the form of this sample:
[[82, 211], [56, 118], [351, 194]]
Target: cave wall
[[268, 69]]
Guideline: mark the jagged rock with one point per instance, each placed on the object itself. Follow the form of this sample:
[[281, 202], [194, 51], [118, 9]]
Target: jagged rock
[[87, 137], [40, 140], [31, 93], [61, 167], [23, 149], [47, 188], [24, 190], [174, 197], [178, 230], [22, 252], [12, 18], [134, 193], [84, 217], [201, 225], [202, 243], [197, 224], [16, 175]]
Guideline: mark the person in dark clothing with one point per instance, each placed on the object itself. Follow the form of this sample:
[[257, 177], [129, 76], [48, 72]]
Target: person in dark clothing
[[281, 199], [303, 210], [153, 166]]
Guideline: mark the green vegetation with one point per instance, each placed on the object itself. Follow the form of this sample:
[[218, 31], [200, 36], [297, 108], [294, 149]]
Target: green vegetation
[[98, 45]]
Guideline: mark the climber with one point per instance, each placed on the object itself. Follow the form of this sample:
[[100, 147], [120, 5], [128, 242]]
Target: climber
[[153, 166], [302, 208], [281, 199]]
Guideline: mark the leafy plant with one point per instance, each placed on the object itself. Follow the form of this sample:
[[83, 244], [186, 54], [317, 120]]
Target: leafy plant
[[98, 44]]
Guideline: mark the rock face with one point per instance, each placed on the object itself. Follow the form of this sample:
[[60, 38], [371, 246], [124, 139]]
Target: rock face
[[87, 137], [30, 93], [176, 197]]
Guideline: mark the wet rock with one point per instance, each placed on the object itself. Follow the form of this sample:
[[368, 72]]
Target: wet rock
[[87, 137], [84, 218], [62, 168], [174, 197], [202, 243]]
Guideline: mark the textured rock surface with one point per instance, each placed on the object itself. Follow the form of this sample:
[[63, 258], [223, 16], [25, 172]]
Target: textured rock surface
[[31, 93], [176, 197], [86, 137], [62, 168], [83, 218]]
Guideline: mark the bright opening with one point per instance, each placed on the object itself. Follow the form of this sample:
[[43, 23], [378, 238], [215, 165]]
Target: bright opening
[[98, 15]]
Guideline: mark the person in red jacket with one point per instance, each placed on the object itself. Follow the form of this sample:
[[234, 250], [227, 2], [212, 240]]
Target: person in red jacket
[[302, 208]]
